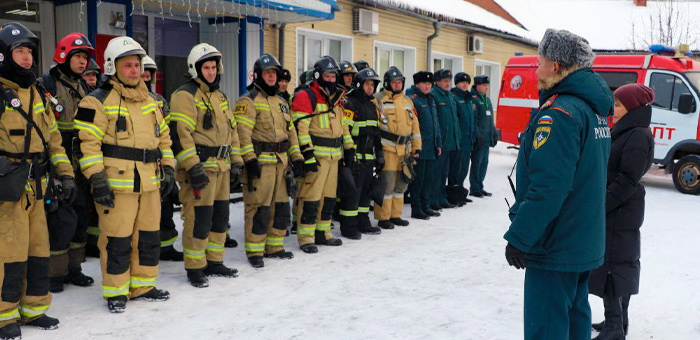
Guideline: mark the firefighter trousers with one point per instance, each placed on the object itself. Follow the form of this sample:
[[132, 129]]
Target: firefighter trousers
[[422, 187], [206, 219], [354, 209], [168, 233], [24, 260], [61, 260], [477, 173], [317, 202], [267, 213], [392, 205], [129, 243]]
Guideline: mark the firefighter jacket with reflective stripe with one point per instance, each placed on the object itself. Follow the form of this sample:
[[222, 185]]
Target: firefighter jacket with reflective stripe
[[13, 127], [324, 121], [123, 117], [398, 117], [362, 115], [68, 93], [200, 117], [264, 119]]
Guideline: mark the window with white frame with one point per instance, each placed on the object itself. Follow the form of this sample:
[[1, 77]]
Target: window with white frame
[[312, 45], [447, 61], [403, 57], [493, 71]]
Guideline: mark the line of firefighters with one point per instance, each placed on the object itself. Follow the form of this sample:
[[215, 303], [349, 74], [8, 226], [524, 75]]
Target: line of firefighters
[[94, 165]]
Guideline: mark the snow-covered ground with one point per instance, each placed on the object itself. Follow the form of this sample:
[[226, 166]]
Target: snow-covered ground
[[440, 279]]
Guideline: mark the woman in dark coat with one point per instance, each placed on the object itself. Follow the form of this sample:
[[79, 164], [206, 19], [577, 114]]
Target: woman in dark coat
[[631, 156]]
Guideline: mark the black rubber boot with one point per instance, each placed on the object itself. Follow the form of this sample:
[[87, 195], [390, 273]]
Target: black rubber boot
[[436, 207], [282, 254], [91, 250], [353, 235], [385, 224], [154, 295], [399, 221], [612, 327], [333, 242], [219, 270], [486, 193], [447, 205], [197, 278], [76, 277], [169, 253], [117, 304], [56, 284], [477, 194], [419, 215], [230, 243], [256, 261], [370, 230], [309, 248], [10, 332], [44, 322], [430, 212]]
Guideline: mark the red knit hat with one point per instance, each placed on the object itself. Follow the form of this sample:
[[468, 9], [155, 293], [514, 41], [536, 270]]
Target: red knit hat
[[633, 96]]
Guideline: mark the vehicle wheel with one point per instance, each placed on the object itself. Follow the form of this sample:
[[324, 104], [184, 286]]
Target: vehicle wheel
[[686, 175]]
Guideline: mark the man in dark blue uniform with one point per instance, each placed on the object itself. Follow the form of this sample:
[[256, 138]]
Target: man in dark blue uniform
[[422, 188], [459, 161], [485, 136], [558, 220], [449, 131]]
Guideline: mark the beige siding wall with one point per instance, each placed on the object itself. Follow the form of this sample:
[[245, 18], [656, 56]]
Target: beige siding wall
[[398, 29]]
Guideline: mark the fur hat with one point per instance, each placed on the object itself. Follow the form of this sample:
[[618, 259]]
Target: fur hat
[[461, 76], [482, 79], [443, 74], [566, 48], [423, 77]]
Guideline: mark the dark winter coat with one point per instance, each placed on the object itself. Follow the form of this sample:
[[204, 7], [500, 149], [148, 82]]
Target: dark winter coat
[[631, 156], [448, 118], [465, 108], [426, 110], [484, 130], [558, 218]]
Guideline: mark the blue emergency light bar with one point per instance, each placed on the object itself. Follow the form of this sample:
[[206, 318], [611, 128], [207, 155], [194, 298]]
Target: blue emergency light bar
[[662, 49]]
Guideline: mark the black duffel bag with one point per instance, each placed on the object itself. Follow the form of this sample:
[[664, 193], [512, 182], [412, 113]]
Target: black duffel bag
[[62, 223], [13, 179]]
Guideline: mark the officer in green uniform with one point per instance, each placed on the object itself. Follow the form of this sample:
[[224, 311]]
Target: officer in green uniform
[[485, 133], [449, 131], [459, 161], [557, 225]]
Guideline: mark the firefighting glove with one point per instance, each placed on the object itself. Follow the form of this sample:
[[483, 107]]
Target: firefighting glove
[[379, 165], [101, 192], [298, 168], [198, 177], [349, 158], [235, 172], [310, 162], [515, 257], [252, 169], [69, 189], [168, 182]]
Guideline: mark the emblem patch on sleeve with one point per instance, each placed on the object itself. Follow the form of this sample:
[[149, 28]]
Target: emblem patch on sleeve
[[541, 136], [545, 120], [239, 109]]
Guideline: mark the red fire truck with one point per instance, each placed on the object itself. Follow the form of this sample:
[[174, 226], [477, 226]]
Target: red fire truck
[[674, 123]]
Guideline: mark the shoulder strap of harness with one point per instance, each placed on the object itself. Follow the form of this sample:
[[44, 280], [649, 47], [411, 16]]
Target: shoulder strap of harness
[[48, 82]]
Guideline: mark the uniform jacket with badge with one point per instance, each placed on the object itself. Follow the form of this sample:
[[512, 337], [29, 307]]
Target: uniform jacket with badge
[[13, 126], [428, 120], [631, 156], [447, 116], [362, 114], [484, 130], [66, 93], [398, 117], [127, 117], [201, 120], [325, 120], [558, 218], [465, 109], [265, 120]]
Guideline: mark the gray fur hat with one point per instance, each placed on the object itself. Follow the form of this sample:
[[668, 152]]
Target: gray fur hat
[[566, 48]]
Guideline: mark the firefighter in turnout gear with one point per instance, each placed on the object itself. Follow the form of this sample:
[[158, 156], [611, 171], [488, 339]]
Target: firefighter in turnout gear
[[362, 114], [205, 142], [283, 83], [347, 75], [29, 143], [268, 145], [64, 84], [401, 140], [322, 139], [168, 233], [125, 154], [91, 75]]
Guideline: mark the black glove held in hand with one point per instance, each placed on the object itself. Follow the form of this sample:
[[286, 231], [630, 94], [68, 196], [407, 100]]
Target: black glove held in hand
[[310, 162], [168, 182], [101, 192], [252, 169], [298, 168], [515, 257], [235, 173], [198, 177], [69, 189], [349, 158]]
